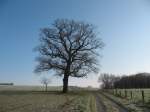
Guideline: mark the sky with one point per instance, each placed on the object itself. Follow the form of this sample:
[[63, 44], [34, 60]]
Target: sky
[[123, 25]]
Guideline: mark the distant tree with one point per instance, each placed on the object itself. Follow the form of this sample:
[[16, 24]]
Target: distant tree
[[11, 84], [139, 80], [70, 48], [107, 80], [45, 82]]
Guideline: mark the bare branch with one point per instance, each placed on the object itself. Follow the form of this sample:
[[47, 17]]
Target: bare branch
[[69, 48]]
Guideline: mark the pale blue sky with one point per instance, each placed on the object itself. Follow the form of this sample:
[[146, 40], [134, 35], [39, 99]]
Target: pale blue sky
[[124, 26]]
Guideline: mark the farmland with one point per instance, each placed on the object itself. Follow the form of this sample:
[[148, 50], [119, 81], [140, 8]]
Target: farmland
[[35, 99], [39, 101]]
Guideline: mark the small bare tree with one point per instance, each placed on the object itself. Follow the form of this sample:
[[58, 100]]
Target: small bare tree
[[107, 80], [45, 82], [70, 48]]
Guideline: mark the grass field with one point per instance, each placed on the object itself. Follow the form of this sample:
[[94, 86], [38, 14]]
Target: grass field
[[33, 99], [29, 88], [135, 96], [132, 107]]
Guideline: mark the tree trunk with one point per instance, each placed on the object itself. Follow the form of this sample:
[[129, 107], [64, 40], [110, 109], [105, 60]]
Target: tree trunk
[[65, 83]]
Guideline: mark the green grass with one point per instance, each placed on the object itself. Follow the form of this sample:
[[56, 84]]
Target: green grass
[[92, 104]]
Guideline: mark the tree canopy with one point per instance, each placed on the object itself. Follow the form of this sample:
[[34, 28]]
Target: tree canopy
[[70, 48]]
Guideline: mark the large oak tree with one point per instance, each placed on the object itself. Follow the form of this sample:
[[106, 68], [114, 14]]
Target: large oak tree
[[69, 48]]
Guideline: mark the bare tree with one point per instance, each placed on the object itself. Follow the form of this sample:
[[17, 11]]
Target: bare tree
[[70, 48], [107, 80], [45, 81]]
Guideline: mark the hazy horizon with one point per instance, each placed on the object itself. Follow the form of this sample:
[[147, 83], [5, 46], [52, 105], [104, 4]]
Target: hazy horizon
[[124, 27]]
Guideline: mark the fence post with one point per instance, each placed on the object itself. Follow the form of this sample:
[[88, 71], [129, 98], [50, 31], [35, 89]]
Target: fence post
[[131, 94], [116, 92], [120, 93], [125, 93], [113, 91], [143, 96]]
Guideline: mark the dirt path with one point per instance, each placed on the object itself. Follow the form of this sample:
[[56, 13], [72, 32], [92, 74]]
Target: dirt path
[[101, 104]]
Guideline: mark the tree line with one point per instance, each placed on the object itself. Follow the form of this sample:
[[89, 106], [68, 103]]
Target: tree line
[[7, 84], [139, 80]]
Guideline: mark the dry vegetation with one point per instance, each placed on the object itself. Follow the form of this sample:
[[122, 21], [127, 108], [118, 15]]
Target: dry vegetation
[[39, 101]]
